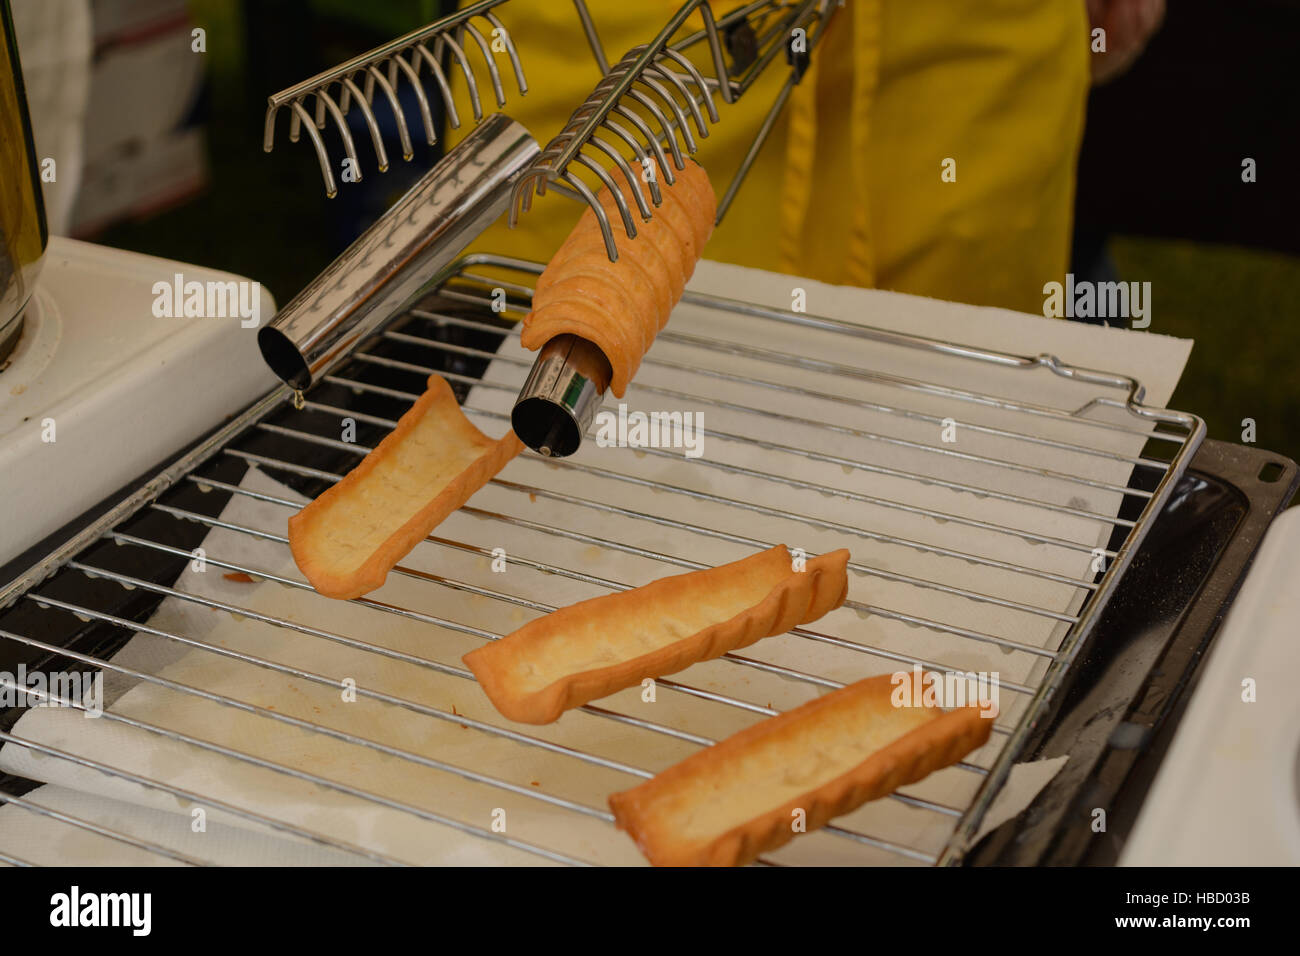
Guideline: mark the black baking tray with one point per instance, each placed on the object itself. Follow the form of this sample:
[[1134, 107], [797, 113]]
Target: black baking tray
[[1119, 705]]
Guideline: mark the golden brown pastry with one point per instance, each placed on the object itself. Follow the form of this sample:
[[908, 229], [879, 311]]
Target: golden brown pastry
[[621, 306], [348, 539], [596, 647], [729, 803]]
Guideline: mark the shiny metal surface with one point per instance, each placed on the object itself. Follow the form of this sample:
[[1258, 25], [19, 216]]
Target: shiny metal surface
[[380, 272], [383, 66], [561, 396], [288, 446], [549, 413], [670, 89], [23, 233]]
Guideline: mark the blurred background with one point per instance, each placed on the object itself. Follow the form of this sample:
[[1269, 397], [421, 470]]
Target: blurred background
[[174, 167]]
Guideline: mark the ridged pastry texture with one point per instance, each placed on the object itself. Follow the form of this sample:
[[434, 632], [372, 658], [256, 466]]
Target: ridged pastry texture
[[347, 540], [621, 306], [596, 647], [729, 803]]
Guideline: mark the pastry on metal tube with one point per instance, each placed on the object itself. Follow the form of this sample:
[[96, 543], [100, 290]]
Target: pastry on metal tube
[[621, 306], [596, 647], [729, 803], [347, 540]]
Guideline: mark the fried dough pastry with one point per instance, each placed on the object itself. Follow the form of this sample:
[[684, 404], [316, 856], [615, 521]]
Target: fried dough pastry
[[348, 539], [621, 306], [596, 647], [729, 803]]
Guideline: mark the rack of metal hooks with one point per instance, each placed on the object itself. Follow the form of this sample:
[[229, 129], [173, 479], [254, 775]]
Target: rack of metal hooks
[[670, 90], [355, 82], [647, 101]]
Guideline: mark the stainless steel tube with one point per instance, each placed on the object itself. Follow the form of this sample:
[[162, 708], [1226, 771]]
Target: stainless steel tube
[[561, 395], [387, 266], [22, 208]]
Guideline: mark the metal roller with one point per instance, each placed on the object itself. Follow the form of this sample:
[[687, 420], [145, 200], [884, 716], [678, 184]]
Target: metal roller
[[370, 282], [561, 396]]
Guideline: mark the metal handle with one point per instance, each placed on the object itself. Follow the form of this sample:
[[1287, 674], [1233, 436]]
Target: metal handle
[[370, 282]]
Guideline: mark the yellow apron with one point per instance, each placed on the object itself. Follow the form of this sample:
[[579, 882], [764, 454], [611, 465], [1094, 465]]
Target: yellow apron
[[850, 188]]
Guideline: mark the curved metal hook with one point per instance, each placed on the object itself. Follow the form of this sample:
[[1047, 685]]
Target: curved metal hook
[[665, 167], [611, 249], [448, 101], [268, 128], [325, 101], [373, 76], [304, 118], [674, 79], [470, 83], [633, 180], [493, 74], [376, 136], [524, 195], [654, 110], [620, 131], [624, 211], [682, 123], [510, 51], [430, 134], [697, 78]]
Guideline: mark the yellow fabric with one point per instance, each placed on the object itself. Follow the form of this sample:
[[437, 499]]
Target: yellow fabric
[[848, 188]]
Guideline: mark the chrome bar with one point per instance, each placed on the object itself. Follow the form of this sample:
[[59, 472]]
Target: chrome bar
[[389, 264], [1132, 405], [547, 608], [653, 361], [608, 544], [95, 828], [806, 423], [187, 795], [880, 612], [297, 722], [751, 506], [304, 775]]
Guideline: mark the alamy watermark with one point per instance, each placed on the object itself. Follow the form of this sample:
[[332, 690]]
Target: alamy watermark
[[1100, 300], [57, 689], [922, 688], [180, 299], [624, 429], [133, 911]]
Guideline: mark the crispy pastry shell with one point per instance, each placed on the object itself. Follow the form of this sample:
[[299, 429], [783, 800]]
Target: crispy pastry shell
[[348, 539], [715, 807], [596, 647], [630, 298]]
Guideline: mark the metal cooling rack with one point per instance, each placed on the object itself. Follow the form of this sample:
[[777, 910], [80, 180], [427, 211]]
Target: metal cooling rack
[[458, 336]]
